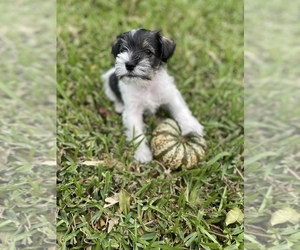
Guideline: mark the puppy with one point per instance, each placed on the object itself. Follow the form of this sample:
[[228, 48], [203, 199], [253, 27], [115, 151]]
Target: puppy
[[139, 82]]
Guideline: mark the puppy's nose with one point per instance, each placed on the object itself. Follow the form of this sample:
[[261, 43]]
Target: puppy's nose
[[130, 65]]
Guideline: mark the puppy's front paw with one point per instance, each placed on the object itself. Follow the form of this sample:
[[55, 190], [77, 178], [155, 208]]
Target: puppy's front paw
[[143, 154], [192, 126]]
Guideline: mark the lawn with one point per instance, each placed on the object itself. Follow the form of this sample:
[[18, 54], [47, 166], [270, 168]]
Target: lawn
[[27, 125], [272, 118], [105, 199]]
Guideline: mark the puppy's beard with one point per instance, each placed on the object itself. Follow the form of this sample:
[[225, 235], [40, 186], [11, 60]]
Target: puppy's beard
[[141, 74]]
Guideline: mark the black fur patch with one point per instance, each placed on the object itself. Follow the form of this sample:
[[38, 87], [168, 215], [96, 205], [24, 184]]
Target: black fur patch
[[161, 47], [114, 86]]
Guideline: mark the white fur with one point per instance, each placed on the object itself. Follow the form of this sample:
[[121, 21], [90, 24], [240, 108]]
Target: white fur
[[140, 96]]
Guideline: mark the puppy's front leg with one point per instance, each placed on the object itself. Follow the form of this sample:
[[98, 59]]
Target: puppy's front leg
[[133, 121], [181, 113]]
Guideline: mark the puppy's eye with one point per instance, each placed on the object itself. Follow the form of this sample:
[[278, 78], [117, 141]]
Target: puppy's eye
[[148, 52], [122, 50]]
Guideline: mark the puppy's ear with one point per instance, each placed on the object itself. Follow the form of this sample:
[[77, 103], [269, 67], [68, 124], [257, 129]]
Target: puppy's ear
[[115, 48], [167, 47]]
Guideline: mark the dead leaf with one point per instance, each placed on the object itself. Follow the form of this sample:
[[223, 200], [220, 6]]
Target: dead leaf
[[111, 223], [234, 215], [91, 163], [104, 112], [111, 200], [48, 163], [284, 215], [102, 223]]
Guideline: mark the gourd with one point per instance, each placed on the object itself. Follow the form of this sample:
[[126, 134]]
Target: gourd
[[173, 150]]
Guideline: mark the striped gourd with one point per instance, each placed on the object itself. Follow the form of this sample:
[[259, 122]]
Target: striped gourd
[[174, 150]]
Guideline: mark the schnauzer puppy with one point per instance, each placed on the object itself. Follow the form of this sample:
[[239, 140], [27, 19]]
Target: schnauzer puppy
[[139, 82]]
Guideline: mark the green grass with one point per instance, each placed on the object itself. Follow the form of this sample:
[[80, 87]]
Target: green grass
[[27, 126], [271, 123], [105, 199]]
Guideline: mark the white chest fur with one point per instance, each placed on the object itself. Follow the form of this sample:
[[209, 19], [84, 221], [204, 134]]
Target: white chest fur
[[155, 93]]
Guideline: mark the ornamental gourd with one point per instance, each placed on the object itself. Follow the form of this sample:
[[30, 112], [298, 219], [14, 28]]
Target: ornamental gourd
[[174, 150]]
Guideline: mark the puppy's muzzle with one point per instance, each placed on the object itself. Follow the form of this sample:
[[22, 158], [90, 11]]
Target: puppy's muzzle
[[130, 65]]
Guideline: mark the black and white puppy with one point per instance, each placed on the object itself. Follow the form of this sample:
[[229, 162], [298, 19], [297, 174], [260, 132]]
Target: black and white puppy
[[139, 82]]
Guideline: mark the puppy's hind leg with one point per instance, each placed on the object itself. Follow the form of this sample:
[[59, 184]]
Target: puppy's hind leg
[[112, 90]]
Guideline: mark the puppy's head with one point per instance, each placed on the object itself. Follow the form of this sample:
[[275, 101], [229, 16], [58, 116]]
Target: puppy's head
[[139, 53]]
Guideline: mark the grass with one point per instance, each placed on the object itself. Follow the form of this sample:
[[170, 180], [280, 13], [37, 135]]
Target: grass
[[27, 137], [105, 199], [271, 123]]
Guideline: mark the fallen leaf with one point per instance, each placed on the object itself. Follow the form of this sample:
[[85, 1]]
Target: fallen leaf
[[102, 223], [111, 201], [284, 215], [91, 163], [111, 223], [48, 163], [104, 112], [234, 215]]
